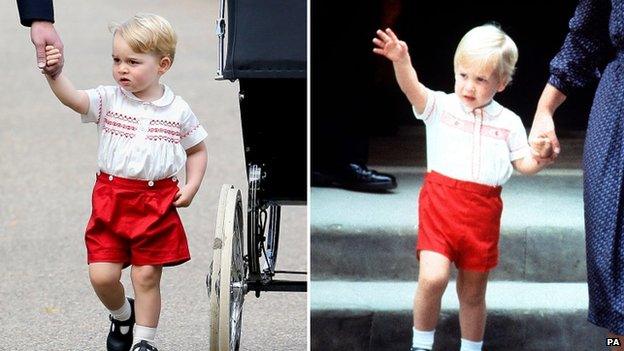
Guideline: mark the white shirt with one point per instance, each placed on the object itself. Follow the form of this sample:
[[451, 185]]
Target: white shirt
[[471, 147], [140, 139]]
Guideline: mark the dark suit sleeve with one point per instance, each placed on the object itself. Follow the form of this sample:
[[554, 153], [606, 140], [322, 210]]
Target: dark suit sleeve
[[35, 10]]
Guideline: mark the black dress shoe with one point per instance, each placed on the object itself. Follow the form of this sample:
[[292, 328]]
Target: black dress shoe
[[143, 346], [418, 349], [355, 177], [118, 340]]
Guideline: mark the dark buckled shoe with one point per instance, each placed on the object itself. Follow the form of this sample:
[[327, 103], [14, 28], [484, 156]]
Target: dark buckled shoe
[[355, 177], [359, 177], [118, 340], [143, 346]]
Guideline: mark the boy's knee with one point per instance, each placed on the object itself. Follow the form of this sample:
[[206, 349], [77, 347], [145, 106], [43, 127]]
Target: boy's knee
[[472, 298], [146, 276], [433, 283], [102, 279]]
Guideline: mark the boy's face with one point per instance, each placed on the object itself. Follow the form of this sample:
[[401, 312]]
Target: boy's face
[[135, 72], [475, 86]]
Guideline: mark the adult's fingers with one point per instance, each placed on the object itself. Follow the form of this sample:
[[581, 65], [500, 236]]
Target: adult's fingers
[[555, 143], [40, 51]]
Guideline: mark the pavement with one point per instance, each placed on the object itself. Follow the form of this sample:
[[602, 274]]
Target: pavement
[[364, 269], [48, 161]]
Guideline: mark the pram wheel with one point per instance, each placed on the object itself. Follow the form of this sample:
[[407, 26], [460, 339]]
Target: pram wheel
[[227, 278]]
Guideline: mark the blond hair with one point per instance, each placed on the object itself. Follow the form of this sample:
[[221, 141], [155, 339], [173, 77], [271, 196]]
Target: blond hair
[[148, 33], [488, 46]]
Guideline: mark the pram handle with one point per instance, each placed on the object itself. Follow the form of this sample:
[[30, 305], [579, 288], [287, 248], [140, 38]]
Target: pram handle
[[220, 32]]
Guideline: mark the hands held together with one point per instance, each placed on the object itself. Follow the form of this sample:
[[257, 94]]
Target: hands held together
[[43, 35], [542, 149], [53, 61]]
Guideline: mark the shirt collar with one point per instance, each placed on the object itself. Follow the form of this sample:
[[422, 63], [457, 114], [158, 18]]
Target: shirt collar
[[166, 99], [491, 110]]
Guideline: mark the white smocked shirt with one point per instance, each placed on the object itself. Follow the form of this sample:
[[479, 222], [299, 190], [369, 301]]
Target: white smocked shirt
[[468, 146], [140, 139]]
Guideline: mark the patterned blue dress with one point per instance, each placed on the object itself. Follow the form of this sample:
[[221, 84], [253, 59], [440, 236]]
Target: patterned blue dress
[[594, 50]]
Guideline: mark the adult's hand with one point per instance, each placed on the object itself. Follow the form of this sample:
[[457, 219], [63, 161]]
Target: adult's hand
[[543, 124], [42, 33], [544, 127]]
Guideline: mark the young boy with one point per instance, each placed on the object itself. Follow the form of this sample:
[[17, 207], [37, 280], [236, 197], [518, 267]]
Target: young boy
[[473, 144], [146, 136]]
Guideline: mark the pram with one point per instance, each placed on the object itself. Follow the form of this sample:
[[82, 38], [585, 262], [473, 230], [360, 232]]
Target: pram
[[266, 53]]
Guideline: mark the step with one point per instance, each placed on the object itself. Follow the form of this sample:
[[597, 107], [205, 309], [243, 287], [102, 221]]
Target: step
[[363, 236], [521, 316]]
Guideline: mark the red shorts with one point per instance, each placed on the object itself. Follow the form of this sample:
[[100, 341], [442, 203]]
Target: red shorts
[[134, 222], [460, 220]]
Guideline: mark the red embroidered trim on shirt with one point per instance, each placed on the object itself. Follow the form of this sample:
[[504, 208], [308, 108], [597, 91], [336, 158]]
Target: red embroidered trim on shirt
[[113, 125], [468, 126], [164, 131], [494, 132], [452, 121], [110, 122], [165, 123], [99, 107], [427, 113], [189, 132], [162, 138], [122, 117]]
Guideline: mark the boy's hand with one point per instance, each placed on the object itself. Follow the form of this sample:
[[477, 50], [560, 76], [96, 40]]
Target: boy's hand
[[53, 58], [184, 197], [541, 147], [390, 46]]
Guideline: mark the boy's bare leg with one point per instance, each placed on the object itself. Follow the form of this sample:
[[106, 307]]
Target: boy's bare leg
[[105, 278], [146, 283], [471, 286], [433, 277], [620, 337]]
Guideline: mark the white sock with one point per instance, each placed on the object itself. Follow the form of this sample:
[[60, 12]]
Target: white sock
[[467, 345], [144, 333], [123, 313], [422, 339]]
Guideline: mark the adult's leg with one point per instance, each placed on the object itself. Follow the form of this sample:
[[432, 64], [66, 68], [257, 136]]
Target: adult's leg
[[146, 283], [471, 287], [105, 279], [433, 277], [604, 213]]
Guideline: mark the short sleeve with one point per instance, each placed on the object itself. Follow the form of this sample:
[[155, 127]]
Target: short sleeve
[[99, 100], [432, 107], [191, 132], [517, 141]]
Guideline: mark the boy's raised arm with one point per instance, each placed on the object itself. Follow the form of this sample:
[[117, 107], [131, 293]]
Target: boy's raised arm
[[389, 45], [62, 87]]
